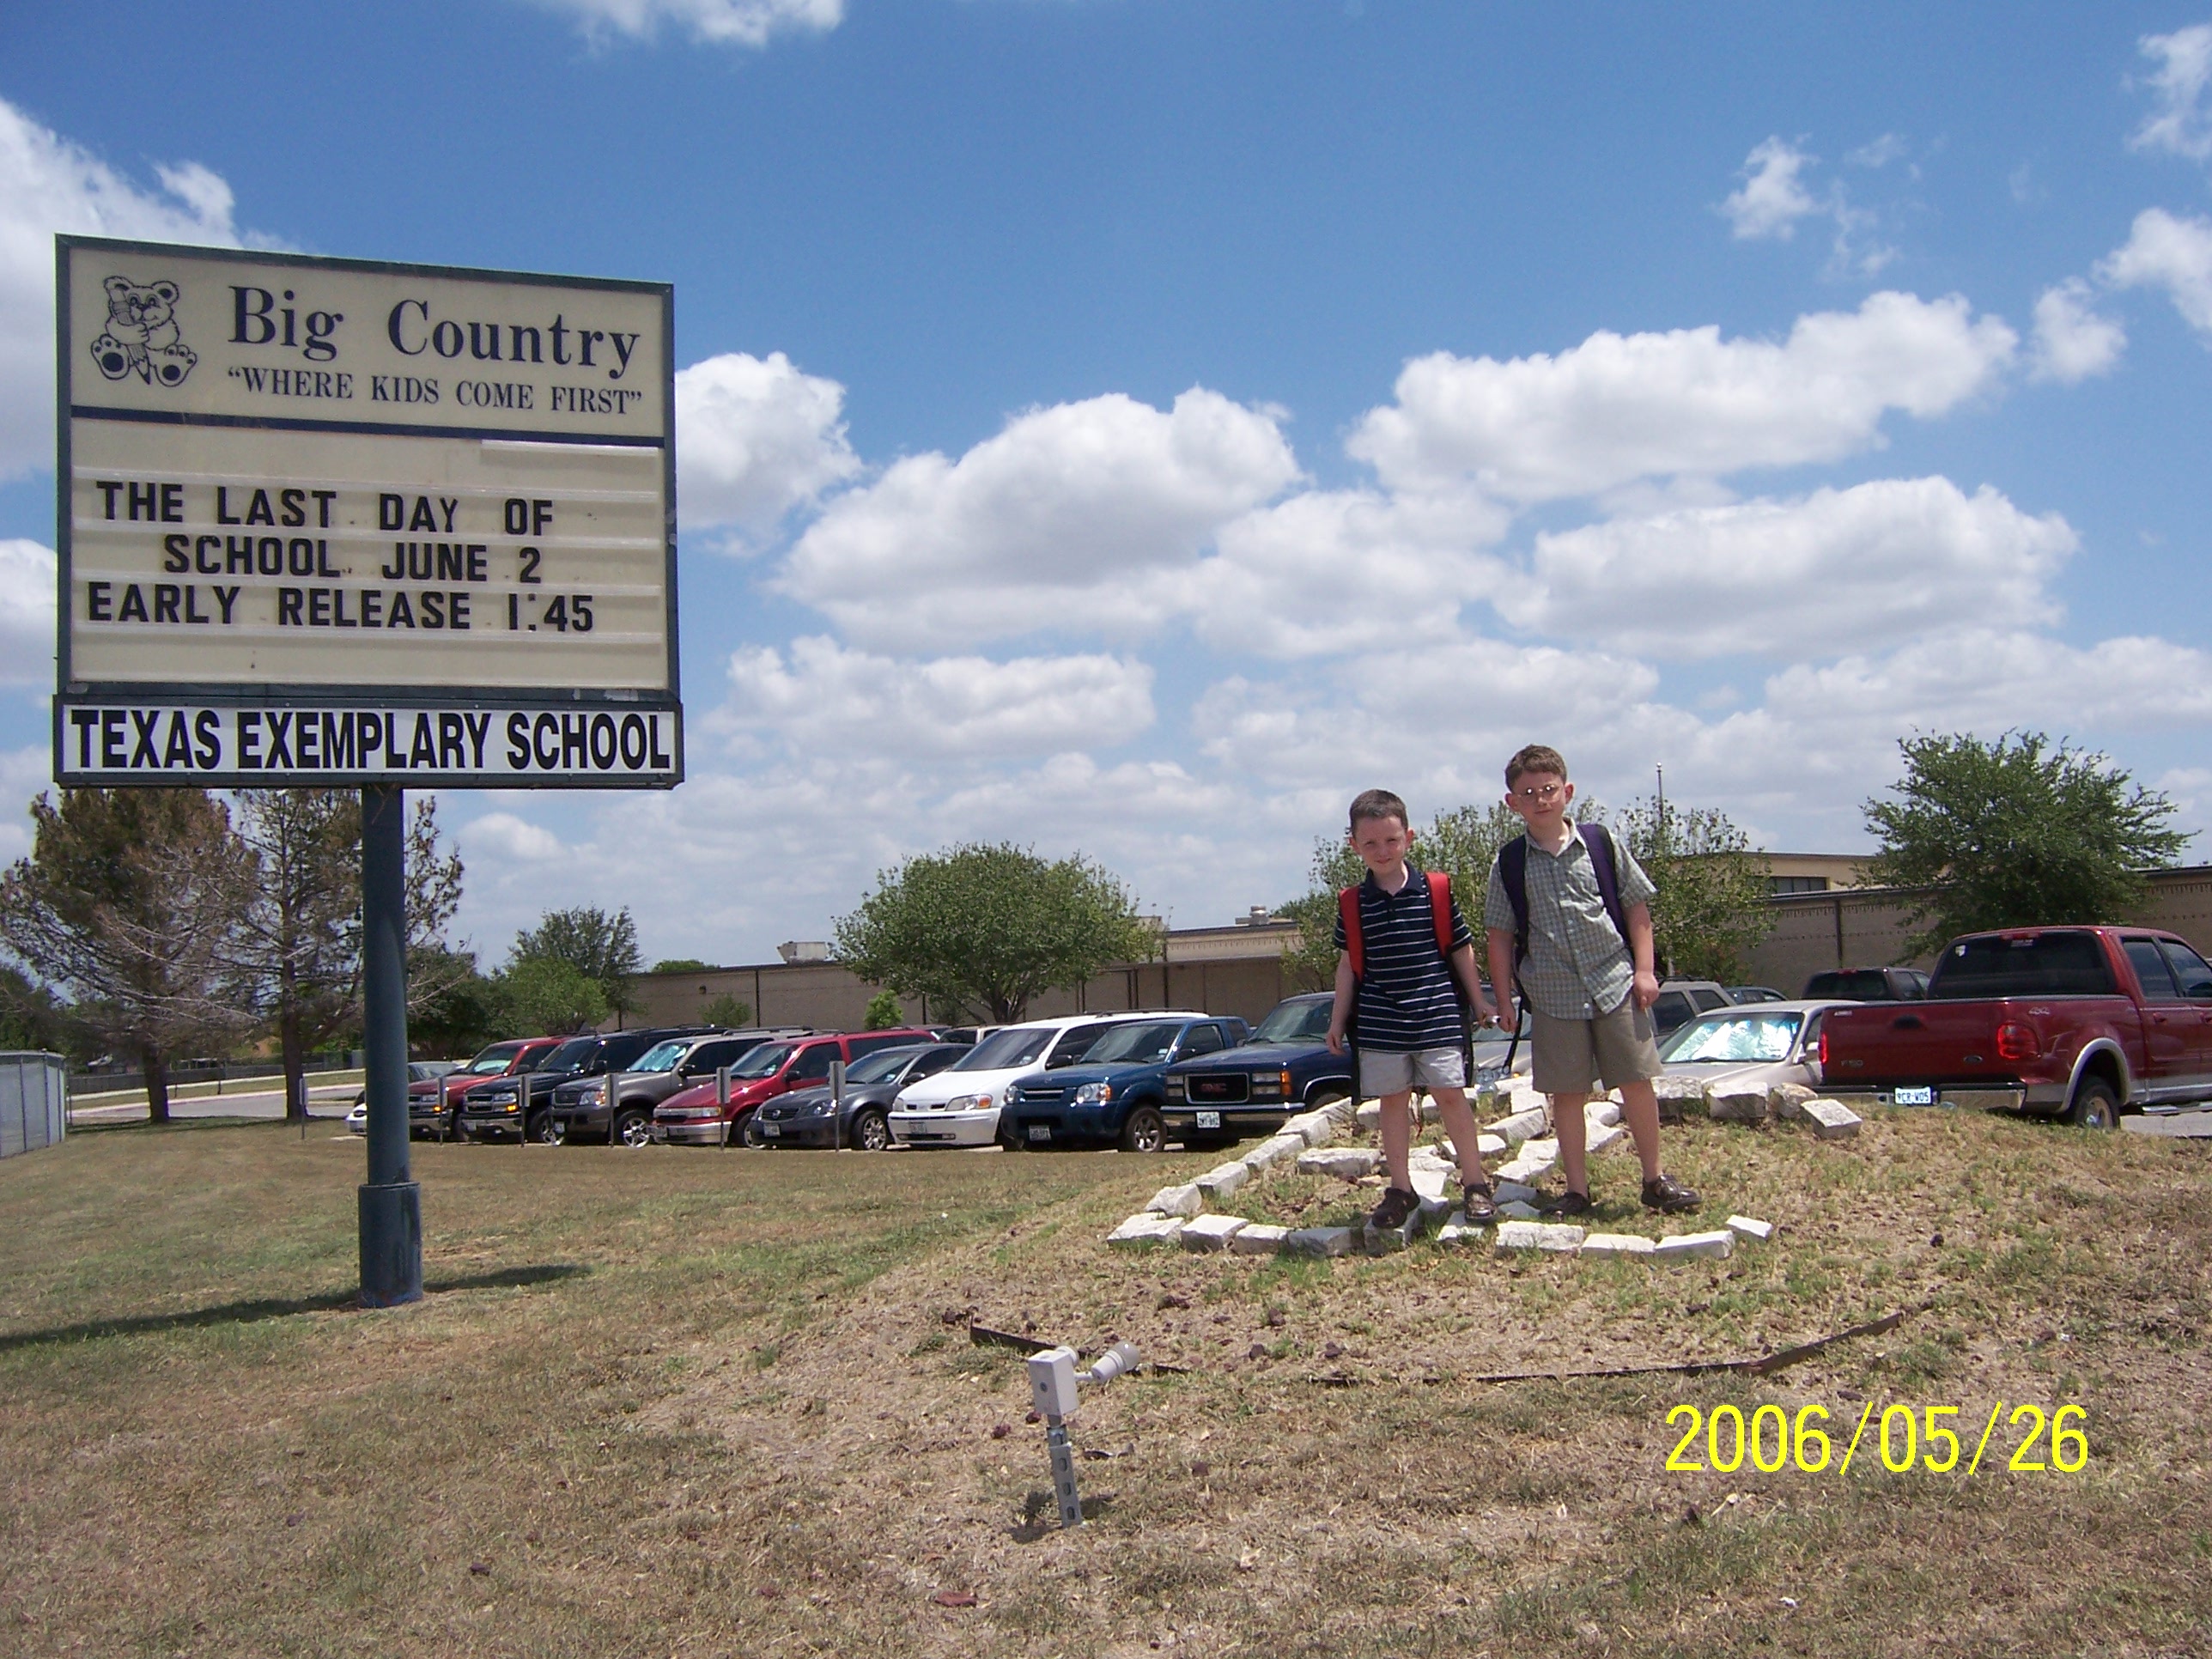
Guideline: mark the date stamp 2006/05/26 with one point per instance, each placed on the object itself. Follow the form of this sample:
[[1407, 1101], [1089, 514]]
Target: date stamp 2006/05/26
[[1771, 1439]]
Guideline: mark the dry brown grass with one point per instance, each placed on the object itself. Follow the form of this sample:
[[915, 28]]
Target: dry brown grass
[[682, 1402]]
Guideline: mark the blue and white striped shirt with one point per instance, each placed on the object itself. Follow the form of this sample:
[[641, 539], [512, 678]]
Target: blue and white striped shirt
[[1407, 999]]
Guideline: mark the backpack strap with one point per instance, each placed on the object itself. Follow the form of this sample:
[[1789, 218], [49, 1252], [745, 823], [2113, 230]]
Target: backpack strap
[[1599, 840], [1347, 910], [1513, 870], [1440, 911]]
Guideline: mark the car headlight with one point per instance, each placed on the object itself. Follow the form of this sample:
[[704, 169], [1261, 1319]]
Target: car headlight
[[981, 1103], [820, 1108], [1094, 1094], [593, 1093], [1174, 1088]]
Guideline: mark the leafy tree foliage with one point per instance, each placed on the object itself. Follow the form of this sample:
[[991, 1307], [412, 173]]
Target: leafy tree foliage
[[602, 948], [1710, 906], [127, 907], [682, 965], [462, 1010], [978, 931], [728, 1010], [30, 1018], [546, 996], [2016, 833], [884, 1012]]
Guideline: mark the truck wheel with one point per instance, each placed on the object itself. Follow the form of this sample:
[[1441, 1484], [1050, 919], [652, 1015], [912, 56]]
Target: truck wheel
[[2094, 1106], [548, 1130], [871, 1132], [1147, 1131], [632, 1128]]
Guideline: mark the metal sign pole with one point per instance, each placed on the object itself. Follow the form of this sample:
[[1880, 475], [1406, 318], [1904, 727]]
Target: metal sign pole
[[837, 1105], [391, 1202]]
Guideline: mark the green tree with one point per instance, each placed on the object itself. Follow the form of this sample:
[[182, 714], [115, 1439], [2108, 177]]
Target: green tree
[[728, 1010], [30, 1018], [681, 965], [978, 931], [547, 996], [127, 907], [602, 948], [298, 945], [2014, 834], [884, 1012], [463, 1009], [1710, 906]]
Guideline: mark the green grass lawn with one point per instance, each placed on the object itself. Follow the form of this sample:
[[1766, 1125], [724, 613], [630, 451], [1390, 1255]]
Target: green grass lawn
[[689, 1402]]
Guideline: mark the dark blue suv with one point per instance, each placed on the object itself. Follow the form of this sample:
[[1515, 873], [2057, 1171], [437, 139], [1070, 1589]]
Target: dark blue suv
[[1282, 1070], [1114, 1093]]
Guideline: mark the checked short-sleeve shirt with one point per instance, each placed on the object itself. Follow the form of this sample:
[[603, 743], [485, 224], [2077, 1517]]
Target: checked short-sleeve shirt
[[1578, 966], [1407, 1001]]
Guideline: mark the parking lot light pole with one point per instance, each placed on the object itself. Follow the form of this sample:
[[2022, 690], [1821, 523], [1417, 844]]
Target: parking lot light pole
[[391, 1202]]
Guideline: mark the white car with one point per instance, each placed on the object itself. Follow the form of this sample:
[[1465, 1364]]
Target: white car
[[959, 1106]]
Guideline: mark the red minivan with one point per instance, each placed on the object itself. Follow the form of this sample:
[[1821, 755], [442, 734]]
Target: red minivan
[[696, 1117]]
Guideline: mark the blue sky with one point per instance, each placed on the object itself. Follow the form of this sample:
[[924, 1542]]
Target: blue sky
[[1134, 426]]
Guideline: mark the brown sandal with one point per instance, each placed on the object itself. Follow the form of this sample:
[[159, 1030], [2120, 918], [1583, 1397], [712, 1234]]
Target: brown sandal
[[1397, 1204], [1480, 1202]]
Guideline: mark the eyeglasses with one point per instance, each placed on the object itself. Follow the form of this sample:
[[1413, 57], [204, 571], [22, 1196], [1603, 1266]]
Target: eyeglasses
[[1539, 791]]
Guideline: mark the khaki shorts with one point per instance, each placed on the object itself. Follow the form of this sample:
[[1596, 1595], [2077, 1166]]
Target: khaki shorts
[[1382, 1072], [1576, 1057]]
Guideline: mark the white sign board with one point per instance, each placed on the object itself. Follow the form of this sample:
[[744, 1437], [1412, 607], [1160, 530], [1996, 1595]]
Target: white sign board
[[328, 521]]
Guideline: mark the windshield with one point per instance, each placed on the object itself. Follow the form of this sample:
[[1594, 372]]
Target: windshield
[[1741, 1037], [570, 1055], [494, 1059], [2055, 964], [661, 1057], [762, 1061], [1294, 1022], [1140, 1040], [1017, 1045], [883, 1063]]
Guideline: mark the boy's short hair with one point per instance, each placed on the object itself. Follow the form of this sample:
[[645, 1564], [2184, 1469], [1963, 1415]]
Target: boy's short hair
[[1377, 804], [1535, 757]]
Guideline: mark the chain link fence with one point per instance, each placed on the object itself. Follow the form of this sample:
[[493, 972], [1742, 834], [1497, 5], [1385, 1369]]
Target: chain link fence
[[33, 1101]]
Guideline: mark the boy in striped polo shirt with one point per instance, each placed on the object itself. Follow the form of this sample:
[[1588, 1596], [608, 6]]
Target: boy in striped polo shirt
[[1410, 1028]]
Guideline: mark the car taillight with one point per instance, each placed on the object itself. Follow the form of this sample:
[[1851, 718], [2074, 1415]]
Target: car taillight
[[2016, 1042], [1823, 1048]]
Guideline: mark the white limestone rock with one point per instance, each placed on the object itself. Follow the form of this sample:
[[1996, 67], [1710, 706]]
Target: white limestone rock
[[1488, 1145], [1735, 1105], [1320, 1241], [1511, 1192], [1617, 1244], [1212, 1232], [1598, 1139], [1518, 1209], [1272, 1152], [1223, 1181], [1831, 1119], [1558, 1239], [1522, 1125], [1431, 1180], [1370, 1115], [1258, 1238], [1601, 1114], [1344, 1163], [1145, 1229], [1695, 1247], [1750, 1227], [1184, 1200], [1457, 1229], [1787, 1100]]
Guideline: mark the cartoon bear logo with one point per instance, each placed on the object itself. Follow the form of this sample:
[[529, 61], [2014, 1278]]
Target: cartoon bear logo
[[141, 334]]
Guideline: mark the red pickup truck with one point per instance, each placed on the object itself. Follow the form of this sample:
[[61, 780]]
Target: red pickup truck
[[2082, 1021]]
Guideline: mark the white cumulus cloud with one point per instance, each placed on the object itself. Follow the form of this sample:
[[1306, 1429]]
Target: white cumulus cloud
[[1067, 519], [2072, 342], [2173, 253], [1618, 408], [756, 438], [825, 701], [1837, 570], [48, 184], [1772, 197], [2178, 122], [735, 22], [27, 612]]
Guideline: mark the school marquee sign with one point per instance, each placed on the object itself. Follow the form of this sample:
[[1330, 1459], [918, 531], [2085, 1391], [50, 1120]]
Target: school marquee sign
[[336, 522]]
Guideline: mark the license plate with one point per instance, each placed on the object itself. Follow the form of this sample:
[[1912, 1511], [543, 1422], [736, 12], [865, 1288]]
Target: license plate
[[771, 1130], [1040, 1131], [1920, 1097], [1209, 1119]]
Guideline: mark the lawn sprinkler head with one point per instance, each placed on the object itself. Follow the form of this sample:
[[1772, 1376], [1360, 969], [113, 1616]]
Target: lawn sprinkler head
[[1118, 1361]]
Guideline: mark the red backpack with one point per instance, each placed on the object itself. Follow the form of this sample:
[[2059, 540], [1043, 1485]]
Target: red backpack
[[1440, 912]]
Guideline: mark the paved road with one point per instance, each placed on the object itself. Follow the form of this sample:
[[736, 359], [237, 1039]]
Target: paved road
[[334, 1101], [2189, 1125]]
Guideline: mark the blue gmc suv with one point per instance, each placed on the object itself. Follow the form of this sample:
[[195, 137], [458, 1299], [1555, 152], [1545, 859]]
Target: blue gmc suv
[[1114, 1095], [1282, 1070]]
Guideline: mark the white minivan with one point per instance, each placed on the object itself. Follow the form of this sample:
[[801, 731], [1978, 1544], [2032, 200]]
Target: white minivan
[[959, 1105]]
